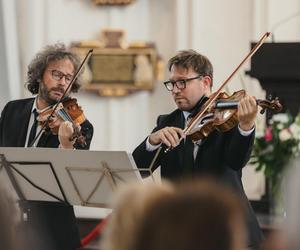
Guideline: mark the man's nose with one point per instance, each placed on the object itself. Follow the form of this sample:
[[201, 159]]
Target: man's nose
[[63, 81], [175, 89]]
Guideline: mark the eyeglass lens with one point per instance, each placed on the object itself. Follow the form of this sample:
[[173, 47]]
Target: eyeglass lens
[[180, 84], [58, 75]]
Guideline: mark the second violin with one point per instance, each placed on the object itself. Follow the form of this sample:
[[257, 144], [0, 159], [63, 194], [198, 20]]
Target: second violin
[[223, 116]]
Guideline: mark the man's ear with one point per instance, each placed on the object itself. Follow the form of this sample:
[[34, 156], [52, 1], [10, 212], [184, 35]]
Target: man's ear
[[207, 82]]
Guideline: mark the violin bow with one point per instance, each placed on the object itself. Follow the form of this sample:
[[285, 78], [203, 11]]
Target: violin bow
[[75, 76], [210, 101]]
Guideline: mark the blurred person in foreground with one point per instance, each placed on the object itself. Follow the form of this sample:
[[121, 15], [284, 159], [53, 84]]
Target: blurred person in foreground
[[128, 210], [192, 215], [198, 215]]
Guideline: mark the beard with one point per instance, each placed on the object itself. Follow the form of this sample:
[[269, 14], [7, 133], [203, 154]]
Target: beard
[[47, 95]]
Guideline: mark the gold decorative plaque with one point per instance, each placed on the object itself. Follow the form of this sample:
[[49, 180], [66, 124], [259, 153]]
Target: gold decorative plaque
[[118, 72], [112, 2], [112, 38]]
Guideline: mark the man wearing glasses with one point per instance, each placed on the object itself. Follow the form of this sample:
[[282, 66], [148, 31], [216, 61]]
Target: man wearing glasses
[[49, 74], [221, 155]]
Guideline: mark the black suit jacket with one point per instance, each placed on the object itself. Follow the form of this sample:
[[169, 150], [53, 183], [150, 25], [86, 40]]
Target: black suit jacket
[[50, 225], [14, 125], [222, 155]]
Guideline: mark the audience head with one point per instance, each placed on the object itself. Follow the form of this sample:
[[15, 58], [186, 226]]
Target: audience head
[[198, 215], [193, 215], [128, 210]]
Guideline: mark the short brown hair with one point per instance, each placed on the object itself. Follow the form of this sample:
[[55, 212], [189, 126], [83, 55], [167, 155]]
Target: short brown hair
[[192, 59], [129, 209], [199, 215], [42, 59]]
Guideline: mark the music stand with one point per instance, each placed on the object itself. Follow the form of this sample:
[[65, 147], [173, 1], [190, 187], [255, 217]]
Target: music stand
[[76, 177]]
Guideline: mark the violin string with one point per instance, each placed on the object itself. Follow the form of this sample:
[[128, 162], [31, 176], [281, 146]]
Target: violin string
[[64, 115]]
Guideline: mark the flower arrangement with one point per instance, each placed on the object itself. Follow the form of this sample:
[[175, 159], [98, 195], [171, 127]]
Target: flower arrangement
[[276, 147]]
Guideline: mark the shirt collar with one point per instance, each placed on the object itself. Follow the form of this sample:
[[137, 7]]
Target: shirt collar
[[34, 106], [186, 114]]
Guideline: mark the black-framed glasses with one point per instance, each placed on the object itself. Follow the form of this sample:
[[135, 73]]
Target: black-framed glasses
[[180, 84], [58, 75]]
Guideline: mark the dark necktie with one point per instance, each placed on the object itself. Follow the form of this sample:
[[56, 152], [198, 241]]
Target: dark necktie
[[188, 157], [32, 133]]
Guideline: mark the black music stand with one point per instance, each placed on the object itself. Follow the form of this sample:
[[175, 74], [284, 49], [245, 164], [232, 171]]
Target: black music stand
[[49, 181], [73, 177]]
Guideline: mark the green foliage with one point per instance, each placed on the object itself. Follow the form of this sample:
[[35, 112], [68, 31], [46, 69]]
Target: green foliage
[[279, 144]]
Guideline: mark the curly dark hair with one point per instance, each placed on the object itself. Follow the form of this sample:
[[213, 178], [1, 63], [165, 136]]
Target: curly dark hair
[[38, 65], [192, 59]]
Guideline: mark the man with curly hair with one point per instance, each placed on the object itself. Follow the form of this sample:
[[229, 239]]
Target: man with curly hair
[[48, 76]]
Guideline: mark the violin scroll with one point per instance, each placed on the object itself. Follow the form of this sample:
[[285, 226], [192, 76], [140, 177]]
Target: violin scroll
[[274, 105]]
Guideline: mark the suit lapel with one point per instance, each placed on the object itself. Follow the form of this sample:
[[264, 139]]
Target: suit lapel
[[45, 138], [179, 121], [24, 120]]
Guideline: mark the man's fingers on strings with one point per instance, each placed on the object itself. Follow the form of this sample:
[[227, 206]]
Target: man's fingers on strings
[[244, 107]]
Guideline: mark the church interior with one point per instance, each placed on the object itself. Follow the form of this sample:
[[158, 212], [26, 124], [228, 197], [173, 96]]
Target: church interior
[[122, 91]]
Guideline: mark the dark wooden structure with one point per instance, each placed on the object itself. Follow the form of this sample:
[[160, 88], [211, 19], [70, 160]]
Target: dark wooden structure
[[277, 67]]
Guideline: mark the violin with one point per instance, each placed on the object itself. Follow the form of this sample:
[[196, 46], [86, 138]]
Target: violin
[[222, 115], [66, 110]]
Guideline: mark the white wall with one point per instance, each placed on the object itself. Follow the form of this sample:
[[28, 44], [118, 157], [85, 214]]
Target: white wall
[[119, 122], [222, 30], [9, 53]]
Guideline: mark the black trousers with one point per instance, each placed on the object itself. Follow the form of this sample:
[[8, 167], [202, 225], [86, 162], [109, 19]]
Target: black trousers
[[49, 225]]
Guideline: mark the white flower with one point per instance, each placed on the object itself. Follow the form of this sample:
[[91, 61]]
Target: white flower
[[285, 135], [279, 126], [281, 117], [295, 129], [297, 119]]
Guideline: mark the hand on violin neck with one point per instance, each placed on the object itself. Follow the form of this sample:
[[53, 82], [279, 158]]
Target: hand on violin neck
[[65, 133], [170, 136], [247, 111]]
